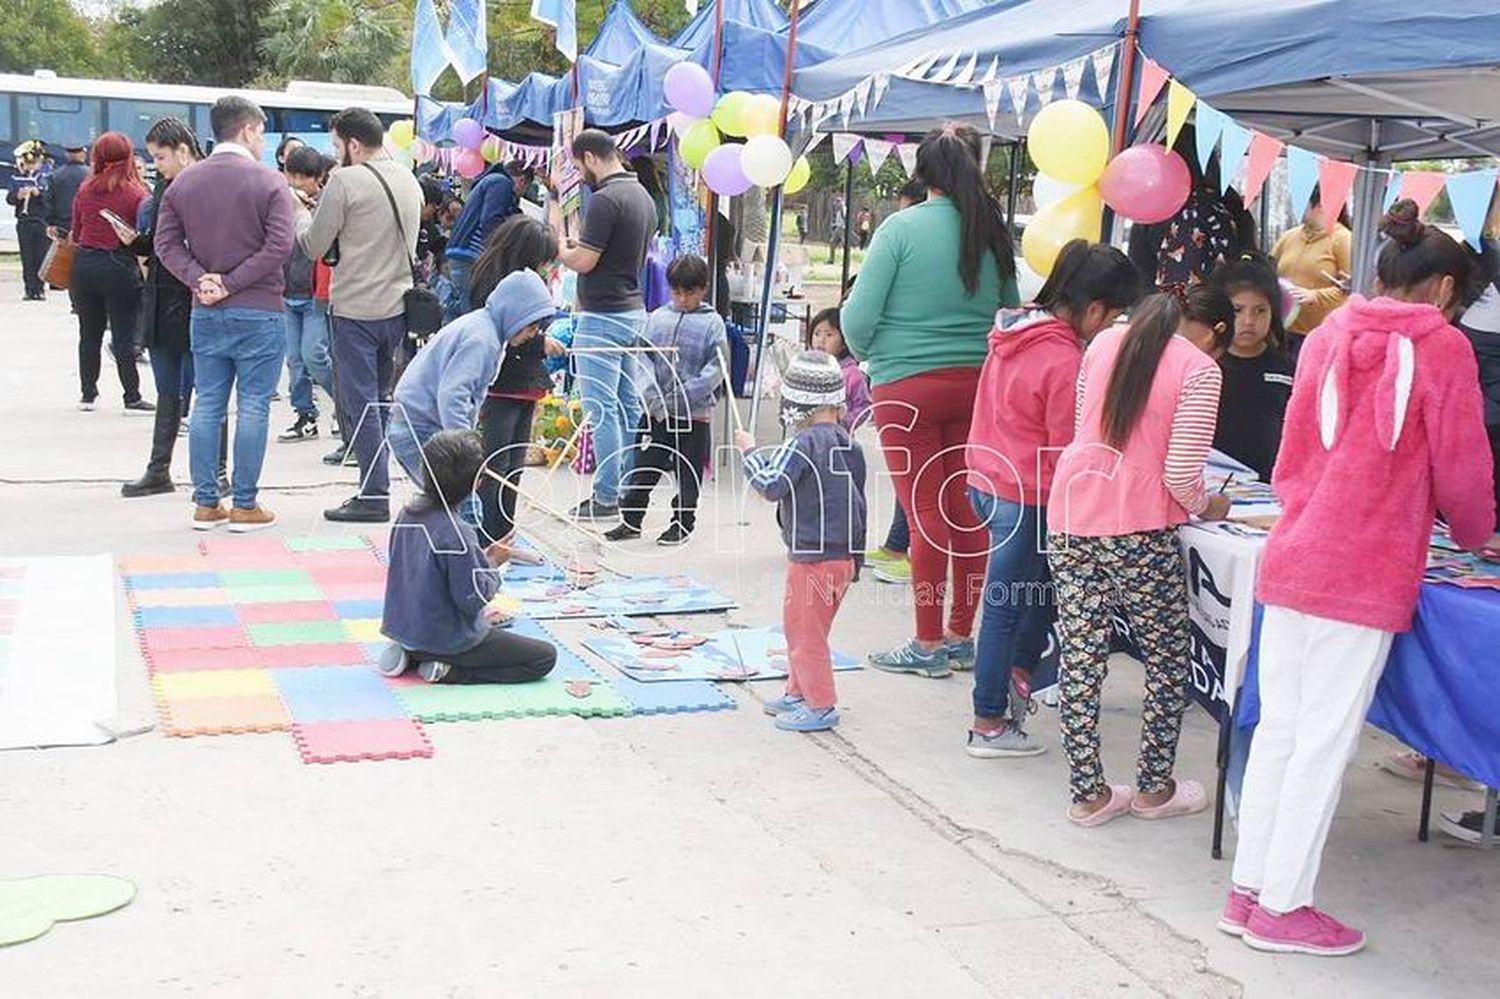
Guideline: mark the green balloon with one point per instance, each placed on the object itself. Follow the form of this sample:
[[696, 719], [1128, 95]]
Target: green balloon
[[730, 114], [700, 139]]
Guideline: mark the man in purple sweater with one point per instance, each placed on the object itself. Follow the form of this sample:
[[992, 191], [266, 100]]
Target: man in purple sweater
[[225, 230]]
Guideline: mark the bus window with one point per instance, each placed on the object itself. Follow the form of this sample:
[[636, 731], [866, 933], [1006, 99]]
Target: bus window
[[298, 122], [202, 127], [135, 118], [8, 137], [59, 120]]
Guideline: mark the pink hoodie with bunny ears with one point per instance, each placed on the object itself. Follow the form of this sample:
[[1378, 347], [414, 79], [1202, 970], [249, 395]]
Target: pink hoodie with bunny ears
[[1384, 429]]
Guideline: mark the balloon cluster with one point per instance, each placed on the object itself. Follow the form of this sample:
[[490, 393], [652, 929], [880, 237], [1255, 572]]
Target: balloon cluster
[[701, 121], [471, 139], [402, 143], [1069, 143]]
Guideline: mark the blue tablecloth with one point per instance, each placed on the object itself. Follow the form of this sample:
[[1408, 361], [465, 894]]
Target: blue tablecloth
[[1440, 693]]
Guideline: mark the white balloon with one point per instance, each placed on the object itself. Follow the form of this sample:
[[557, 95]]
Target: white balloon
[[1047, 190], [766, 160], [1028, 281]]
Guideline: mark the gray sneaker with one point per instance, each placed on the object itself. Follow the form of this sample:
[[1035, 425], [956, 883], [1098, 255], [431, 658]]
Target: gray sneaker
[[434, 672], [911, 658], [1009, 741], [960, 655]]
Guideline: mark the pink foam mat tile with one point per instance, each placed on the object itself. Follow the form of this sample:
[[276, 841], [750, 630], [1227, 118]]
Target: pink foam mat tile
[[287, 612], [360, 559], [155, 640], [185, 660], [352, 741], [312, 654]]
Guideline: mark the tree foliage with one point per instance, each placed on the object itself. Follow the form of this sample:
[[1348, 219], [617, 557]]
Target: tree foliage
[[46, 34], [214, 43], [339, 41]]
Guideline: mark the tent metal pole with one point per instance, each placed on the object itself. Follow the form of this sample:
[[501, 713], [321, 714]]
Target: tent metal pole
[[762, 320], [848, 221], [1013, 189], [1127, 75]]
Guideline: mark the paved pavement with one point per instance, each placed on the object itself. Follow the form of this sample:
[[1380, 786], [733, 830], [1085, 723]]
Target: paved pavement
[[683, 855]]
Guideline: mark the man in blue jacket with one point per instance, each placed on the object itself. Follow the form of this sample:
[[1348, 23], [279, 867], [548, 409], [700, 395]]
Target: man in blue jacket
[[491, 201]]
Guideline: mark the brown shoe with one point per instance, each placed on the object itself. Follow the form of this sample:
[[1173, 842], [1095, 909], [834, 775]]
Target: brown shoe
[[254, 519], [206, 518]]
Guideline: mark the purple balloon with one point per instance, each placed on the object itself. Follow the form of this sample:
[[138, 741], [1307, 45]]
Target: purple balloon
[[689, 89], [724, 174], [468, 133]]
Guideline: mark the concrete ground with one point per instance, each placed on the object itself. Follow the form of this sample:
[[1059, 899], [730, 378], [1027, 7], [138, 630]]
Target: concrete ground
[[682, 855]]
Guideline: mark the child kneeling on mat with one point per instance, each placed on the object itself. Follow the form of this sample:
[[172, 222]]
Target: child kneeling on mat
[[441, 580], [816, 477]]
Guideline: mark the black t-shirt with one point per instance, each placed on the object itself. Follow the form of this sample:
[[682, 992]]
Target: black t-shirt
[[619, 222], [1252, 408]]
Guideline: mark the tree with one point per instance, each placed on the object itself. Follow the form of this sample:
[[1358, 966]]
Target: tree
[[339, 41], [214, 43], [45, 34]]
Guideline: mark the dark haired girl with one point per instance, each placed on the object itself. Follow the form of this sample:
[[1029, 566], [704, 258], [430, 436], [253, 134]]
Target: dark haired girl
[[1257, 368], [1134, 473], [920, 314]]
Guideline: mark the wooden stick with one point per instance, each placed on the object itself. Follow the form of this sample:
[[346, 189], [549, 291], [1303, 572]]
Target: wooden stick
[[542, 506], [728, 391], [577, 433]]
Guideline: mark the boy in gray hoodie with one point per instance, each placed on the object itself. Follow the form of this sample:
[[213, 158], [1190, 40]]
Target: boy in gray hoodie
[[444, 385], [684, 376]]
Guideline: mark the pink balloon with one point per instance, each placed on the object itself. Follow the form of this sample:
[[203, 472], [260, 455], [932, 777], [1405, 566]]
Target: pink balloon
[[468, 133], [724, 174], [689, 89], [468, 163], [1148, 183]]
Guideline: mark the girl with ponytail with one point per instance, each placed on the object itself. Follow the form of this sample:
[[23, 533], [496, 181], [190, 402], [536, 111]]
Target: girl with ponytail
[[1385, 430], [933, 278], [1147, 399]]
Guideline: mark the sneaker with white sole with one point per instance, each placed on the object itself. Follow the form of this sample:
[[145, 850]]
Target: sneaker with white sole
[[912, 658], [1468, 826], [808, 719], [393, 660], [1301, 931], [896, 571], [87, 405], [434, 672], [305, 429], [960, 654], [257, 518], [1237, 909], [1002, 744], [783, 705]]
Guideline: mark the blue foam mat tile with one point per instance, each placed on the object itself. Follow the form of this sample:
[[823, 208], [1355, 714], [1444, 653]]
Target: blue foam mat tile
[[337, 693], [570, 665], [359, 608], [671, 698], [185, 617], [170, 580]]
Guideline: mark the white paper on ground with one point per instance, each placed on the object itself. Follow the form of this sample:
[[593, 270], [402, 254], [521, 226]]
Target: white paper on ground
[[58, 683]]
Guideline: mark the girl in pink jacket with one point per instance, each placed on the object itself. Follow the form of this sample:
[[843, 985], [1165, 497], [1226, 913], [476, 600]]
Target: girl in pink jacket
[[1385, 428]]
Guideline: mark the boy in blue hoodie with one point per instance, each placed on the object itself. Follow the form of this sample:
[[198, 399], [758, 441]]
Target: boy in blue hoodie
[[437, 593], [444, 386], [679, 395]]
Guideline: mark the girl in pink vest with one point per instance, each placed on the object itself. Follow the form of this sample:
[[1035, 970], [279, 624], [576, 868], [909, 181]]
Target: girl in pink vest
[[1385, 428], [1147, 401]]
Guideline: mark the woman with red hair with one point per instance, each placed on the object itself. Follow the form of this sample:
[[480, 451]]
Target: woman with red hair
[[107, 284]]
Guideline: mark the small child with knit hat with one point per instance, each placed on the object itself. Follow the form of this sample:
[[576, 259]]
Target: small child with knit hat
[[816, 477]]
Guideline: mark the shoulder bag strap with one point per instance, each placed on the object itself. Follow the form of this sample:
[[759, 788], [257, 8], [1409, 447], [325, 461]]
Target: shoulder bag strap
[[416, 275]]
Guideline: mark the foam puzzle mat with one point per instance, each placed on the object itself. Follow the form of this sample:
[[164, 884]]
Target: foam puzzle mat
[[673, 656], [269, 634], [544, 599]]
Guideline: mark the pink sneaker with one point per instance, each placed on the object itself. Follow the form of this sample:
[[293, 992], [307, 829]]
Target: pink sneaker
[[1301, 931], [1237, 911]]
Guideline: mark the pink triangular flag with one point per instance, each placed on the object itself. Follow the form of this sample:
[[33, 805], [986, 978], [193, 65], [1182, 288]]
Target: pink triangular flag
[[1422, 186], [1335, 181], [1153, 78], [1264, 151]]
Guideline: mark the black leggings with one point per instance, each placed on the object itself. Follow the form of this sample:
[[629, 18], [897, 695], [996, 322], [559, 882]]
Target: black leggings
[[31, 234], [506, 424], [678, 446], [106, 287], [500, 657]]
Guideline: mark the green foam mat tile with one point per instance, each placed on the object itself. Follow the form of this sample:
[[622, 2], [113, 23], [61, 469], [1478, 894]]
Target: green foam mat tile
[[284, 593], [476, 702], [237, 579], [30, 906], [298, 633]]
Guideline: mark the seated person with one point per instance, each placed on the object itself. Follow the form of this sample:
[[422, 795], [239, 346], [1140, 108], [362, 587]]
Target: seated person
[[441, 581]]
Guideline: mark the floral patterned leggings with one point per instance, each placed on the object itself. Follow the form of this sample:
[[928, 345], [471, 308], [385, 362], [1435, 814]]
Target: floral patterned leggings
[[1141, 576]]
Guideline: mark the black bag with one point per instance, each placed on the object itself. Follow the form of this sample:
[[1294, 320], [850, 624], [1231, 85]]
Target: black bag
[[424, 310]]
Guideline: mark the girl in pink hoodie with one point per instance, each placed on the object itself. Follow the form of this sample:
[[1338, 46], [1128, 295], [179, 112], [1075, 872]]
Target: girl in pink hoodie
[[1385, 428], [1023, 418]]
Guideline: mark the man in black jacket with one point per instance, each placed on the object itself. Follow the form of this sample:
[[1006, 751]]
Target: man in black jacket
[[63, 188]]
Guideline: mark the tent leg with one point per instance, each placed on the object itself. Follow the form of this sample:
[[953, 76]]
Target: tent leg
[[1426, 819], [848, 223], [1226, 724], [762, 321], [1013, 189]]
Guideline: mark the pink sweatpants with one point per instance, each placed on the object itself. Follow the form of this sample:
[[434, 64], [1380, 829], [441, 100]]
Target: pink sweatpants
[[814, 591]]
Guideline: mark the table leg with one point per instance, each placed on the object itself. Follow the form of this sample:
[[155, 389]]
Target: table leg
[[1222, 783], [1487, 828], [1427, 778]]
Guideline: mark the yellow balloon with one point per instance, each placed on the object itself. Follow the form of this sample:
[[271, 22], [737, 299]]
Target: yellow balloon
[[1078, 216], [402, 133], [697, 142], [762, 115], [1068, 140], [798, 178], [729, 114]]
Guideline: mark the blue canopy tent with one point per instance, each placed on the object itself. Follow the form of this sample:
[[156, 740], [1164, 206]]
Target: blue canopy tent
[[851, 25], [755, 58], [621, 35], [763, 14]]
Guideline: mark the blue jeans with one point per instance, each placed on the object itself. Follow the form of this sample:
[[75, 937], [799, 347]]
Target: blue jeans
[[1019, 606], [239, 349], [173, 372], [898, 538], [457, 304], [406, 442], [364, 354], [307, 358], [609, 382]]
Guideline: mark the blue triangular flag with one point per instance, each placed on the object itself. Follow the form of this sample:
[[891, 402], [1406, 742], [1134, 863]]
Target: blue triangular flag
[[1392, 190], [429, 50], [1209, 125], [1236, 143], [1471, 194], [466, 38], [562, 15], [1302, 176]]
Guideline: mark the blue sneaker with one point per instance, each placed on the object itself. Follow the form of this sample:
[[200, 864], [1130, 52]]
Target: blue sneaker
[[783, 705], [806, 719], [913, 659], [960, 654]]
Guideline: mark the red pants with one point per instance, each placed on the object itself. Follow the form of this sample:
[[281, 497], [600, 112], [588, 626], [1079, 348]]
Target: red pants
[[924, 425], [814, 591]]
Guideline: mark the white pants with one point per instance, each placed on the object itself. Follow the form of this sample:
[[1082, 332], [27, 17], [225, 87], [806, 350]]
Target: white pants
[[1317, 679]]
